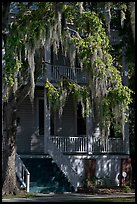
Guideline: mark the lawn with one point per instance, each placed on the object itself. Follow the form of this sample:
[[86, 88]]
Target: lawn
[[118, 199], [126, 199]]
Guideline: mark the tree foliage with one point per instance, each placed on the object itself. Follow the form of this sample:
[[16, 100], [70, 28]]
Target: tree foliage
[[79, 30]]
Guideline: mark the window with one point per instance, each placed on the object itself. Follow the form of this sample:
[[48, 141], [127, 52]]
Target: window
[[41, 119], [81, 122]]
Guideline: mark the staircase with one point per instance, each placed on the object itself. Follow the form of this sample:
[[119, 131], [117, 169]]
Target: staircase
[[46, 176], [54, 173], [64, 164]]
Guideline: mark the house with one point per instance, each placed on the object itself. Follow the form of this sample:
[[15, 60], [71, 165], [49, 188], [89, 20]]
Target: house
[[60, 152]]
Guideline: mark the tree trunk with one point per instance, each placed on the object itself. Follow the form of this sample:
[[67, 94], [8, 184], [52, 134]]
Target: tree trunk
[[5, 19], [8, 127], [9, 185]]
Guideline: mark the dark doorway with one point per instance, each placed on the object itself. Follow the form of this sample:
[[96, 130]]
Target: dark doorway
[[81, 122], [41, 119]]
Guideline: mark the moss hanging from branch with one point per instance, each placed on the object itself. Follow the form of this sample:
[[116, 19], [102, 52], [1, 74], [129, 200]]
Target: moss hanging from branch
[[32, 70], [43, 26], [30, 31], [104, 79], [108, 16], [57, 95]]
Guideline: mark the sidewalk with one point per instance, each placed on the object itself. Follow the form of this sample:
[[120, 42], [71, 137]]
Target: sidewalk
[[51, 197]]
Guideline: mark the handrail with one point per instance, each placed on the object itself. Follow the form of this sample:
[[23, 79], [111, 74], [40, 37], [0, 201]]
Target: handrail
[[22, 173]]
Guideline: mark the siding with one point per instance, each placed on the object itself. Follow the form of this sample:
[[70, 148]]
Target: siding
[[28, 140]]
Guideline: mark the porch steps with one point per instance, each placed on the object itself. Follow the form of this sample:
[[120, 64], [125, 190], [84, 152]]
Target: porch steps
[[64, 163], [45, 176]]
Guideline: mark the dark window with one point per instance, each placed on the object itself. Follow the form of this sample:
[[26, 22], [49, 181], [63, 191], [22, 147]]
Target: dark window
[[52, 54], [52, 123], [112, 131], [41, 117], [81, 122], [77, 63]]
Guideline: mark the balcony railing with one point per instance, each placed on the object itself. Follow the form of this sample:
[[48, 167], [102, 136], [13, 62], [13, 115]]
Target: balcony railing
[[110, 145], [55, 73], [76, 74], [79, 144], [71, 144]]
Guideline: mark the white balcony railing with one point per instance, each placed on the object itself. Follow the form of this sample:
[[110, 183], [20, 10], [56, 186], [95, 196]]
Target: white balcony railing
[[80, 144], [71, 144], [110, 145]]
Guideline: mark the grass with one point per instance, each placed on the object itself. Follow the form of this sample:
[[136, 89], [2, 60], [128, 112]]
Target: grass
[[118, 199], [126, 199]]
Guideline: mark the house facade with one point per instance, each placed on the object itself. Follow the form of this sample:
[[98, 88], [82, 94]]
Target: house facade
[[68, 140]]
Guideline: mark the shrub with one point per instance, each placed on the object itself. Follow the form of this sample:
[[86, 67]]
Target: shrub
[[127, 189]]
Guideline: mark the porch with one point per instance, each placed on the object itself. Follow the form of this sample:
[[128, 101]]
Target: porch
[[70, 133]]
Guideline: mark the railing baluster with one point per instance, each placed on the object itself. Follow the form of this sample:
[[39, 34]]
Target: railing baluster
[[70, 144], [80, 144], [75, 74]]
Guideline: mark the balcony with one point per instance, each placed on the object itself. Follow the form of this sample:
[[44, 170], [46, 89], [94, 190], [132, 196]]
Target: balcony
[[55, 73]]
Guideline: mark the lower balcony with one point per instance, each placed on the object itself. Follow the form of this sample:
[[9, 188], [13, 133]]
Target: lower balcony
[[79, 144]]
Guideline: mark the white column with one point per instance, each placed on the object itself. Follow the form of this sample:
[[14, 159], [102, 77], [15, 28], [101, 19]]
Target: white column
[[46, 122]]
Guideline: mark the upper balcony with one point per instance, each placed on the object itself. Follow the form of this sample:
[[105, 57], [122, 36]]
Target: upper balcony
[[55, 73]]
